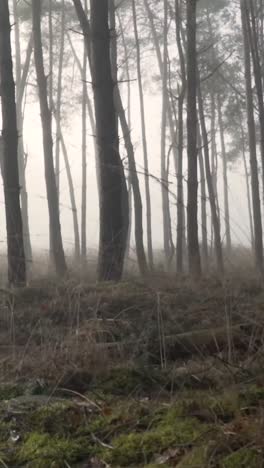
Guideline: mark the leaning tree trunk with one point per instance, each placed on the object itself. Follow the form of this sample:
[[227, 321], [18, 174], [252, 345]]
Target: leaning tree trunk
[[258, 246], [15, 246], [114, 197], [210, 187], [192, 208], [138, 210], [144, 138], [52, 194]]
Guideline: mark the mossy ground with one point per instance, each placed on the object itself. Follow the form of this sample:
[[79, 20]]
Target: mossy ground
[[187, 429]]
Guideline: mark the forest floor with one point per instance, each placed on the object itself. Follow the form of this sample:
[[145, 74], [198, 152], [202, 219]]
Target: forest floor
[[161, 373]]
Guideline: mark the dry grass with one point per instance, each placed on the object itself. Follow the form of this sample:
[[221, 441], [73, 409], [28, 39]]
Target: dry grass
[[51, 330]]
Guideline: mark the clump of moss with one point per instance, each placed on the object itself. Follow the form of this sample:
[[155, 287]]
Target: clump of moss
[[141, 447], [9, 391], [44, 451], [245, 457], [60, 418]]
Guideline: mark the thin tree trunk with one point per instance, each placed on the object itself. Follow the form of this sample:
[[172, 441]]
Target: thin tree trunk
[[214, 156], [248, 194], [15, 246], [125, 126], [252, 145], [59, 93], [163, 171], [77, 249], [205, 256], [90, 113], [180, 198], [210, 187], [144, 138], [160, 64], [84, 157], [128, 118], [52, 194], [192, 209], [20, 82], [225, 177]]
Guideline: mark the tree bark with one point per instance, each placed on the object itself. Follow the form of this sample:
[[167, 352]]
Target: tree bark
[[258, 246], [181, 98], [52, 195], [21, 76], [114, 197], [15, 245], [205, 256], [163, 169], [192, 214], [84, 156], [144, 138], [210, 187], [225, 177], [254, 46], [59, 93]]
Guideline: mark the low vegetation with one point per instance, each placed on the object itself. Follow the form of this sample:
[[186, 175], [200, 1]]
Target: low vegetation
[[86, 383]]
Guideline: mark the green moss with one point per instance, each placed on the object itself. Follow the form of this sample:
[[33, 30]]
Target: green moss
[[61, 418], [197, 458], [44, 451], [252, 396], [140, 447], [245, 457], [9, 391]]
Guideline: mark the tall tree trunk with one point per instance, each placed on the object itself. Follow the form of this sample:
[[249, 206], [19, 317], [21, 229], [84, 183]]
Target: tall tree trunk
[[163, 170], [114, 197], [20, 83], [225, 177], [192, 209], [77, 249], [125, 126], [59, 93], [247, 177], [144, 138], [205, 256], [254, 46], [84, 156], [252, 144], [15, 246], [128, 119], [181, 98], [214, 156], [210, 187], [52, 194]]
